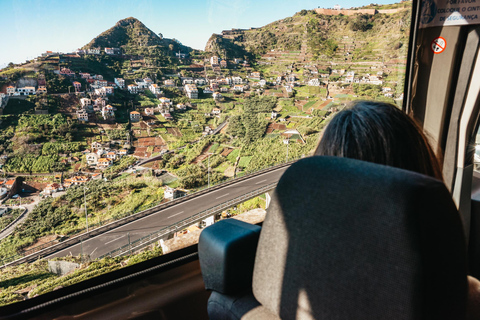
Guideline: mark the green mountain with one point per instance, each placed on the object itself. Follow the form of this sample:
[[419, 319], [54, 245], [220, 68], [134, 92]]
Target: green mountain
[[135, 38]]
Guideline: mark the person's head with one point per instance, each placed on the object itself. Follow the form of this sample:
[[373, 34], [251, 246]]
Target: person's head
[[381, 133]]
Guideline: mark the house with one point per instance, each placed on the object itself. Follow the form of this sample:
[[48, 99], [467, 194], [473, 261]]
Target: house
[[133, 88], [288, 89], [107, 112], [93, 51], [108, 90], [237, 80], [111, 155], [274, 115], [216, 111], [375, 80], [140, 84], [103, 163], [96, 145], [238, 88], [223, 63], [262, 82], [207, 90], [255, 75], [155, 89], [291, 78], [149, 111], [75, 181], [181, 107], [187, 81], [109, 50], [147, 81], [386, 89], [214, 60], [41, 89], [101, 92], [314, 82], [122, 152], [191, 91], [96, 176], [92, 159], [135, 116], [25, 91], [99, 102], [214, 85], [223, 89], [11, 90], [85, 75], [66, 72], [169, 83], [85, 102], [200, 82], [169, 193], [120, 83], [101, 83], [77, 85], [164, 100], [82, 115], [9, 184], [217, 96], [52, 188]]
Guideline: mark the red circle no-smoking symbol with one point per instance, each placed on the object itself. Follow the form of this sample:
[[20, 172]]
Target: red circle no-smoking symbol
[[438, 45]]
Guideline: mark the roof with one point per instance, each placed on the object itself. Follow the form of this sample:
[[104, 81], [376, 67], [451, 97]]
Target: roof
[[10, 182], [134, 112], [104, 160]]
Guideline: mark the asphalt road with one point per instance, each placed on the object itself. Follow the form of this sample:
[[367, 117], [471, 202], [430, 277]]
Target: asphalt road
[[110, 240]]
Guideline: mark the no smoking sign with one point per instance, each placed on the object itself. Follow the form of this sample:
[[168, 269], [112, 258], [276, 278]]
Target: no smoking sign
[[438, 45]]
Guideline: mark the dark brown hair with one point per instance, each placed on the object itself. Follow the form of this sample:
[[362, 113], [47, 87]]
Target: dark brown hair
[[381, 133]]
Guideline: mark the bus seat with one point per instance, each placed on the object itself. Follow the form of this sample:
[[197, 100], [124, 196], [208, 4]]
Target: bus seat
[[344, 239]]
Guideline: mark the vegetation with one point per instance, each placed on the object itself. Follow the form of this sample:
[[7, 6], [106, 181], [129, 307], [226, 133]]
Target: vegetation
[[66, 214], [35, 278]]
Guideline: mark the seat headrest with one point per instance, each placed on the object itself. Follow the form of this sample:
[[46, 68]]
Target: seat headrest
[[347, 239]]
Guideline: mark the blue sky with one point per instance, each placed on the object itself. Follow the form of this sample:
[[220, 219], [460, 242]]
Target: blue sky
[[31, 27]]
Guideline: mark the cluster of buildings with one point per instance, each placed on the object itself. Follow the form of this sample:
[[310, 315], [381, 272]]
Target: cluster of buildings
[[67, 183], [102, 156], [95, 51], [88, 106], [165, 108]]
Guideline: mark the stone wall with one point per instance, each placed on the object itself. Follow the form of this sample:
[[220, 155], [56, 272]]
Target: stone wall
[[62, 268], [346, 12]]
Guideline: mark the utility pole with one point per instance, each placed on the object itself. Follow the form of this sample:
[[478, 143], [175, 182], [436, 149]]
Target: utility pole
[[85, 202], [208, 170]]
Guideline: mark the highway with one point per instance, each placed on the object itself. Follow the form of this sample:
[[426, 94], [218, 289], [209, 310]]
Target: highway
[[110, 240]]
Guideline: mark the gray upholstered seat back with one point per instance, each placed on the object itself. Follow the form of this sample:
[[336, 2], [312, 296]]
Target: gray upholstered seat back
[[346, 239]]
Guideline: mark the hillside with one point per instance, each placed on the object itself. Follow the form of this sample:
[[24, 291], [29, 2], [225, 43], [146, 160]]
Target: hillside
[[133, 37], [311, 36]]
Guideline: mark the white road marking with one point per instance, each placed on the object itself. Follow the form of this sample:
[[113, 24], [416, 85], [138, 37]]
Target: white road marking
[[94, 251], [226, 194], [261, 181], [114, 239], [176, 214]]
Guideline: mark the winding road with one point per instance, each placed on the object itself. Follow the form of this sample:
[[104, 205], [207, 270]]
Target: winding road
[[110, 240]]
